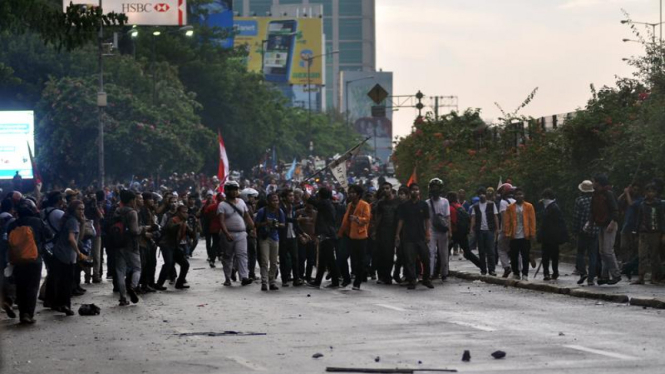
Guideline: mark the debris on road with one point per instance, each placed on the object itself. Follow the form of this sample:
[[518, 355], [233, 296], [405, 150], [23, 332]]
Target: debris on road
[[317, 355], [89, 310], [561, 334], [389, 371], [499, 354], [377, 359], [466, 357], [224, 333]]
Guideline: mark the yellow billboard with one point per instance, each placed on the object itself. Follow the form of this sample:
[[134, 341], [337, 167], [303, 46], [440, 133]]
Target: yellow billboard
[[280, 47]]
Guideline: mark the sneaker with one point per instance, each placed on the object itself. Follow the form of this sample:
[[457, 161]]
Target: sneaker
[[590, 282], [637, 281], [212, 264], [396, 278], [132, 295], [8, 309], [273, 287], [123, 302], [555, 276], [506, 272], [482, 272], [525, 278], [297, 283], [25, 319], [159, 287], [285, 284], [411, 286], [428, 284], [614, 280], [181, 286], [227, 282], [516, 276], [264, 287], [332, 286], [492, 273], [345, 283], [246, 282], [313, 284], [356, 288], [602, 281], [547, 277]]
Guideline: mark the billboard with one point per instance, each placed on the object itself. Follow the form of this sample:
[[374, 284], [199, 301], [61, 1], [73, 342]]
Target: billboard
[[142, 12], [358, 107], [218, 13], [279, 47], [17, 130]]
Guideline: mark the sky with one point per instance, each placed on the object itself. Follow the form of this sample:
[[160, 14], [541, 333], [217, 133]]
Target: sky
[[487, 51]]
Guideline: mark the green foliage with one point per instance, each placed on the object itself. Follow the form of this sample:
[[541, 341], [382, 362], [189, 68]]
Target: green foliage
[[71, 29]]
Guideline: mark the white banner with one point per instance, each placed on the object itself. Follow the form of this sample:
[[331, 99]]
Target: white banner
[[339, 172], [142, 12]]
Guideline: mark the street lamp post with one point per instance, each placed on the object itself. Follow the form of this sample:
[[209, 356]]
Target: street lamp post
[[653, 28], [346, 96], [101, 103], [309, 95]]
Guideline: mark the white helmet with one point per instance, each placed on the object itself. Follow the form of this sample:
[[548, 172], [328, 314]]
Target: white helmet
[[247, 192]]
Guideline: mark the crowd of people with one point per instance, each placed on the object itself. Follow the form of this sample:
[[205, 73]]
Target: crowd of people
[[299, 234]]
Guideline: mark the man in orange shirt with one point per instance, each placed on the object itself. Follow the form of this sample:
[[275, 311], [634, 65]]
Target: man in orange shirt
[[519, 227], [355, 225]]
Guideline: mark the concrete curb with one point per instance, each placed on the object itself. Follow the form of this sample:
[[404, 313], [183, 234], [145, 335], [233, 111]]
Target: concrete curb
[[552, 288]]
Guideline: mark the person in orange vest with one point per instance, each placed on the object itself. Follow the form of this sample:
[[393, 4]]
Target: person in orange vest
[[355, 226], [519, 227]]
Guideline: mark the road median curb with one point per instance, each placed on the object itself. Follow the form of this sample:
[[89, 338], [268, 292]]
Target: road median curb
[[648, 302], [553, 288]]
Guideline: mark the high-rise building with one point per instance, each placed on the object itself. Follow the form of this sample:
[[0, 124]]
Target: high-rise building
[[349, 27]]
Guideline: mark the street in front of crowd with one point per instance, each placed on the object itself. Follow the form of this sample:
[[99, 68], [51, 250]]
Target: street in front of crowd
[[214, 329]]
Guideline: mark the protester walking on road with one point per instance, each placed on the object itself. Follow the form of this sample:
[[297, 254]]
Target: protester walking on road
[[355, 226], [235, 220], [413, 233], [269, 220], [651, 229], [519, 227], [126, 243], [173, 251], [586, 235], [326, 237], [385, 226], [440, 229], [485, 223], [552, 234], [605, 215]]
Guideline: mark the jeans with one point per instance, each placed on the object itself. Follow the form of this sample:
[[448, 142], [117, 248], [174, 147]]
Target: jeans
[[327, 262], [212, 247], [649, 252], [587, 245], [503, 251], [268, 252], [252, 255], [171, 257], [26, 278], [63, 278], [438, 244], [288, 259], [96, 257], [413, 251], [235, 253], [342, 253], [358, 255], [463, 241], [485, 240], [128, 269], [520, 247], [550, 252], [384, 255], [148, 265], [607, 258], [306, 259]]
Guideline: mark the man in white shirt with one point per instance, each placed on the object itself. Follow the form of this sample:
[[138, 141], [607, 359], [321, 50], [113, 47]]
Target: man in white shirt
[[439, 227], [235, 220]]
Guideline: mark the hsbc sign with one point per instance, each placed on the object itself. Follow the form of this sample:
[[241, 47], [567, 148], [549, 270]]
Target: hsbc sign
[[142, 12]]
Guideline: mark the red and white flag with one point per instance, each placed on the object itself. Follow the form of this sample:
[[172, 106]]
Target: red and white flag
[[223, 171]]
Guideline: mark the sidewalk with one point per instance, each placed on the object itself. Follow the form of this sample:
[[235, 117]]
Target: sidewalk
[[647, 295]]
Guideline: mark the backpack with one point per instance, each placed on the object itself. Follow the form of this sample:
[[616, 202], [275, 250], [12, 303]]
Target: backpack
[[463, 221], [118, 232], [22, 245], [438, 220]]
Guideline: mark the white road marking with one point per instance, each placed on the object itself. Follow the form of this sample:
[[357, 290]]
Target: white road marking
[[602, 353], [472, 325], [392, 307], [244, 362]]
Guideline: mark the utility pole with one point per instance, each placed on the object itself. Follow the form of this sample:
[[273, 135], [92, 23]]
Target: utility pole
[[101, 102]]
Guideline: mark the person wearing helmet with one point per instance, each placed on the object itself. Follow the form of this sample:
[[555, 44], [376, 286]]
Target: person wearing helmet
[[440, 228], [235, 221]]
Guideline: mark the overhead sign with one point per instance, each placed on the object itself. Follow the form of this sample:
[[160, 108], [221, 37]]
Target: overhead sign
[[377, 94], [142, 12], [279, 48], [17, 131]]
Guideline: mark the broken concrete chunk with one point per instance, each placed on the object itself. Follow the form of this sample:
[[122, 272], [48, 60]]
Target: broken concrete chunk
[[499, 354], [317, 355], [466, 357]]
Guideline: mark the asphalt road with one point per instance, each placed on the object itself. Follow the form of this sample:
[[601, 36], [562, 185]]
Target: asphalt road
[[540, 332]]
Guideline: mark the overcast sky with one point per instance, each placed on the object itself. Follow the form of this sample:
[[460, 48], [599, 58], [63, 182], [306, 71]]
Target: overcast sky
[[487, 51]]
